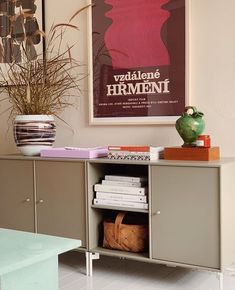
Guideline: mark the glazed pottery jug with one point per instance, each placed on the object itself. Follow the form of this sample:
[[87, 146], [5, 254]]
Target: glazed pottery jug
[[190, 125]]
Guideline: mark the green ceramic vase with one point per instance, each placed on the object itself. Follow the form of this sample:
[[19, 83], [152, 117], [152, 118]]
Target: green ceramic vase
[[190, 125]]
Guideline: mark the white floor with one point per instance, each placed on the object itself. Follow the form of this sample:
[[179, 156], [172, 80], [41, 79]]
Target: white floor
[[118, 274]]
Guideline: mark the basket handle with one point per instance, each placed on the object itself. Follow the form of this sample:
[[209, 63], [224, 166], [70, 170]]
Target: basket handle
[[118, 222]]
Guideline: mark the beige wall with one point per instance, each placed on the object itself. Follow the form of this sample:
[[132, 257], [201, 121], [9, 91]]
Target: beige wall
[[212, 71]]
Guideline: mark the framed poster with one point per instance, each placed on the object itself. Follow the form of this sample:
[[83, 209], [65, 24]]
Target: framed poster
[[139, 63], [20, 22]]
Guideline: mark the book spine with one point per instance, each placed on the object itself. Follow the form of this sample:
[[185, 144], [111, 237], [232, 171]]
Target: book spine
[[120, 203], [129, 148], [129, 155], [150, 149], [119, 196], [125, 178], [121, 183], [120, 189]]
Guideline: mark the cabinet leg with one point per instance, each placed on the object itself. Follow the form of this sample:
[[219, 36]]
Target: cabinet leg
[[89, 258], [220, 277]]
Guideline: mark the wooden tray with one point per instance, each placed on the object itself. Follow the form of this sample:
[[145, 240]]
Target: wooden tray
[[192, 153]]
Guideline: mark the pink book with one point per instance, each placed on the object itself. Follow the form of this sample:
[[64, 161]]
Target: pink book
[[75, 152]]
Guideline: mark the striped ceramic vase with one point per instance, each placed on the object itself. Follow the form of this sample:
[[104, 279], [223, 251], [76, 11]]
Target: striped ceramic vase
[[33, 133]]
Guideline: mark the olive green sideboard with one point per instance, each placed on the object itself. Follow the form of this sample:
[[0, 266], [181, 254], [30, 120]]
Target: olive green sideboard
[[191, 212]]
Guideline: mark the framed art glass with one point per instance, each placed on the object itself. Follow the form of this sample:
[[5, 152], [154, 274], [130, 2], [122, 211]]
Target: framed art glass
[[138, 61]]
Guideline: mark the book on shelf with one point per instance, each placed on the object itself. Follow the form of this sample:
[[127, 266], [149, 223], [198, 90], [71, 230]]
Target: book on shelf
[[75, 152], [120, 203], [135, 155], [120, 189], [120, 196], [152, 149], [122, 183], [125, 178]]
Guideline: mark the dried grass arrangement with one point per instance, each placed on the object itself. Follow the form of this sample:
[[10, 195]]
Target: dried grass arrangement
[[43, 84]]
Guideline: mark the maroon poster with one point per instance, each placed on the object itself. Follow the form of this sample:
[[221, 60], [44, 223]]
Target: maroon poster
[[138, 58]]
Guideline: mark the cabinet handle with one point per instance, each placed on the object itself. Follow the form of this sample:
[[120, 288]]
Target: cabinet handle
[[40, 201], [27, 199], [157, 212]]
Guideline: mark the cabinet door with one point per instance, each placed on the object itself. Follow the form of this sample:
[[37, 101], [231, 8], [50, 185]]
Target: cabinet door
[[185, 215], [16, 195], [60, 190]]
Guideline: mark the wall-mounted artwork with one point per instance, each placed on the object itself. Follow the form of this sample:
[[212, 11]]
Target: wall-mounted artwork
[[138, 61], [20, 21]]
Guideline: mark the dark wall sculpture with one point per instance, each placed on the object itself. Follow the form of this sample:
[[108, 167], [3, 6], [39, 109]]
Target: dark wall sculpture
[[18, 25]]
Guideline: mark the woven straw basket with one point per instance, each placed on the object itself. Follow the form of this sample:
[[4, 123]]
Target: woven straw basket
[[125, 237]]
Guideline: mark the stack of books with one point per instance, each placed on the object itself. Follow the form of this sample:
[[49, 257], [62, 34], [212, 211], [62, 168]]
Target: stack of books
[[122, 191], [146, 153]]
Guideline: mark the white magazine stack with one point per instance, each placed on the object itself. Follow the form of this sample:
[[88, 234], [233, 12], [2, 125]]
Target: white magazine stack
[[122, 191]]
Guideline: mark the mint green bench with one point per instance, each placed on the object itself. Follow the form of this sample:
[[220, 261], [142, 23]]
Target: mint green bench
[[29, 261]]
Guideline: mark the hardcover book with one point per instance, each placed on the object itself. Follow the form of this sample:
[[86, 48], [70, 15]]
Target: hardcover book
[[120, 203], [120, 196], [121, 189], [126, 178], [152, 149], [75, 152], [122, 183], [135, 155]]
